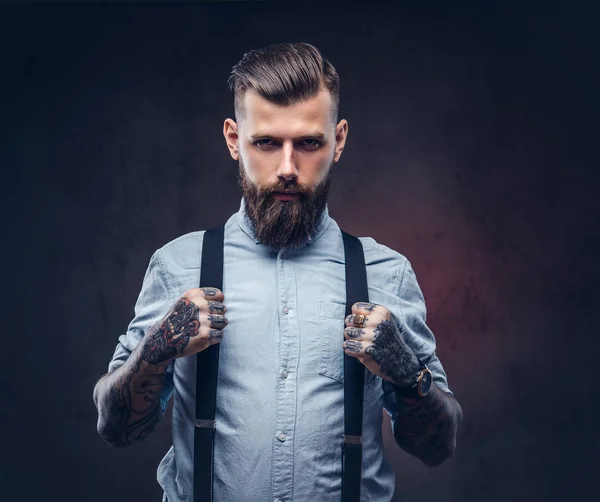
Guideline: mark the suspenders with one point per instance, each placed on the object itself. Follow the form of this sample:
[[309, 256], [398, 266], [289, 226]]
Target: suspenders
[[354, 375], [207, 363], [207, 369]]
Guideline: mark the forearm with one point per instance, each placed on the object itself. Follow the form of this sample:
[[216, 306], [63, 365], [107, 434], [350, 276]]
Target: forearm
[[128, 400], [426, 427]]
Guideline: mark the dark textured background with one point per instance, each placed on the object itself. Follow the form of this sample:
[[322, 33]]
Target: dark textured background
[[471, 150]]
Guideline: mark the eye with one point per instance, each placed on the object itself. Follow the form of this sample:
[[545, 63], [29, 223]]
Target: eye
[[264, 143], [310, 143]]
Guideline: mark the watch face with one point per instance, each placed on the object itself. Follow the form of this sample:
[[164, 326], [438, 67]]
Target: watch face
[[425, 383]]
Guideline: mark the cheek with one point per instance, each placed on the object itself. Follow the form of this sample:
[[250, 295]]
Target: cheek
[[319, 168], [256, 168]]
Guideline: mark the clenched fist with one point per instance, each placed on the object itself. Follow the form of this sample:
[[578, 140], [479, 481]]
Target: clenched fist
[[194, 323], [377, 342]]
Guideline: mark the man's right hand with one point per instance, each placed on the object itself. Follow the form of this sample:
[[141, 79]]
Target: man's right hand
[[194, 323]]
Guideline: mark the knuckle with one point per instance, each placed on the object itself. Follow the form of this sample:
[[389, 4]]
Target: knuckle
[[192, 292], [188, 294]]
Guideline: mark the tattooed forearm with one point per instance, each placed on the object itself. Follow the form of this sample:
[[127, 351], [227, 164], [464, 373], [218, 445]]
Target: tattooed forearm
[[426, 427], [128, 401]]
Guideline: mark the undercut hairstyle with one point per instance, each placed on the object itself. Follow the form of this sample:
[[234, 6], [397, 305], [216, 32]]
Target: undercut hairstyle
[[284, 74]]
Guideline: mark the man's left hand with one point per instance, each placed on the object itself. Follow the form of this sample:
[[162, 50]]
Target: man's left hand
[[374, 339]]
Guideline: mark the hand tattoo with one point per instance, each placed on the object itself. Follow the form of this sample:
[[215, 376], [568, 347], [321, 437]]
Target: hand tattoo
[[209, 291], [390, 352], [174, 333]]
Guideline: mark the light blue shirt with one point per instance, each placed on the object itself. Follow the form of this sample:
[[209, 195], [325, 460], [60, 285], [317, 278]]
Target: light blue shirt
[[280, 413]]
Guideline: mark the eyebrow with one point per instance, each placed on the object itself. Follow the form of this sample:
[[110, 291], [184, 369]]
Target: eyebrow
[[311, 135]]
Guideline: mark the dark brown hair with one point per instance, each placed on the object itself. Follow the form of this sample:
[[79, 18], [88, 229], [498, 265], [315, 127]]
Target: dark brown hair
[[285, 74]]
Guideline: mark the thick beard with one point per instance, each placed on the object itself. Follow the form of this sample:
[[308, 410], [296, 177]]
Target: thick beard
[[284, 224]]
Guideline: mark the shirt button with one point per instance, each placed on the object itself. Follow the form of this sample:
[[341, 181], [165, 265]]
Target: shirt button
[[286, 310], [281, 436], [284, 373]]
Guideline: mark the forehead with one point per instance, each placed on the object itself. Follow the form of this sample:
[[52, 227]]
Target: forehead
[[264, 117]]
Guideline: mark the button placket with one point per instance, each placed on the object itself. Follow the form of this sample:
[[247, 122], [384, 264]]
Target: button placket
[[288, 340]]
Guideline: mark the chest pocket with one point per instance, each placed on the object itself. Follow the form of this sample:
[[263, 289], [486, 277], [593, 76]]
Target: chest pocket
[[331, 316]]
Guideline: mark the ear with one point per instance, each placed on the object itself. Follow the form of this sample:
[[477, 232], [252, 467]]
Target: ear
[[341, 132], [230, 133]]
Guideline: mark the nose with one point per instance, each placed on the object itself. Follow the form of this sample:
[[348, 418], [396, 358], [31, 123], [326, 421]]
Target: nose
[[287, 167]]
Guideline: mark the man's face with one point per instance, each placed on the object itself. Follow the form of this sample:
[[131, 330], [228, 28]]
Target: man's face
[[285, 156]]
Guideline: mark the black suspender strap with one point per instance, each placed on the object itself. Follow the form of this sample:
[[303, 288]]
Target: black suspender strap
[[354, 375], [207, 366], [207, 370]]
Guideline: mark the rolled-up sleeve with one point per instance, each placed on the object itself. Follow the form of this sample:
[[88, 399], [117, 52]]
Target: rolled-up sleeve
[[151, 306], [416, 333]]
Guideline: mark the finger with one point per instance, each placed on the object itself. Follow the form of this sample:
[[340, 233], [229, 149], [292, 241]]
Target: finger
[[207, 336], [352, 347], [363, 308], [216, 307], [353, 333], [214, 336], [214, 294], [356, 320], [216, 320]]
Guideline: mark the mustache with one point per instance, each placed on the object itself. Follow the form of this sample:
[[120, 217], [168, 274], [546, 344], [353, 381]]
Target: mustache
[[285, 187]]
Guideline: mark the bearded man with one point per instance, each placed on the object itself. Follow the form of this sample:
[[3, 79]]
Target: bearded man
[[280, 401]]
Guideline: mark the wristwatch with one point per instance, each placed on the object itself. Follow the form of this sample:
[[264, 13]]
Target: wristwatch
[[421, 385]]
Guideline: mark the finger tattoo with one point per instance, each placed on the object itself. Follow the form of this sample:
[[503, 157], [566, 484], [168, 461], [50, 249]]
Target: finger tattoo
[[353, 345], [209, 291], [217, 320], [216, 307], [370, 307], [354, 332], [215, 333]]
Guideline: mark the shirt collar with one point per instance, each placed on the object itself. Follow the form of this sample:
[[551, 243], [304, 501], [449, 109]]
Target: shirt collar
[[245, 225]]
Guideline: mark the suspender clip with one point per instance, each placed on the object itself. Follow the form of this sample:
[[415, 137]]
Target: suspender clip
[[206, 424], [352, 439]]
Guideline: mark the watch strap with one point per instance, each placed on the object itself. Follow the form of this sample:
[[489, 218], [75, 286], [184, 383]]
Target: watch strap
[[412, 390]]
